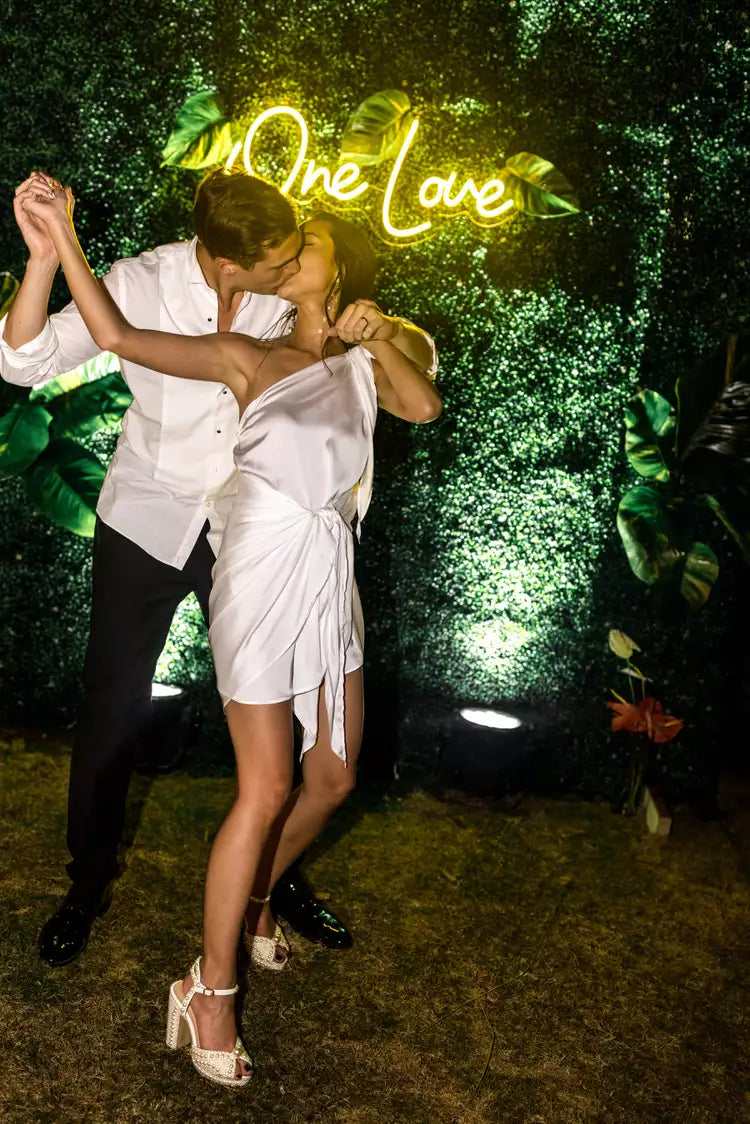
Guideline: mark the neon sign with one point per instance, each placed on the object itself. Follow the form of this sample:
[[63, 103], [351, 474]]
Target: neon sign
[[343, 185]]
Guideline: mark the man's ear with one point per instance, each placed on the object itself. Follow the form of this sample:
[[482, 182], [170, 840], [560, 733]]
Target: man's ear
[[227, 266]]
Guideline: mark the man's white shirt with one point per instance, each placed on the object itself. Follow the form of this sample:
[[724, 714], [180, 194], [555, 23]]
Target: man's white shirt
[[173, 468]]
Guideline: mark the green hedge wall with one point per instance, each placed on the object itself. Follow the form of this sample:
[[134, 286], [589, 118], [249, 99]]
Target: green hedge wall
[[490, 567]]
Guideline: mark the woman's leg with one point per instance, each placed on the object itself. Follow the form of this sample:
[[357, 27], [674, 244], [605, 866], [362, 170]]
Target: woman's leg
[[262, 738], [326, 782]]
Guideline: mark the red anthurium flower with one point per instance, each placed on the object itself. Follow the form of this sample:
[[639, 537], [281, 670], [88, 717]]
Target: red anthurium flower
[[647, 717]]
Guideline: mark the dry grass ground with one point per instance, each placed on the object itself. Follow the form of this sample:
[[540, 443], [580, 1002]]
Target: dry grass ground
[[548, 963]]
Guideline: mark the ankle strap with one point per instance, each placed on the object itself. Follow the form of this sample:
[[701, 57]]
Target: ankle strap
[[260, 901], [200, 988]]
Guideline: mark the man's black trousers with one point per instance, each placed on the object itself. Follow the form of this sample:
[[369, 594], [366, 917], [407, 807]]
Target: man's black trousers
[[134, 598]]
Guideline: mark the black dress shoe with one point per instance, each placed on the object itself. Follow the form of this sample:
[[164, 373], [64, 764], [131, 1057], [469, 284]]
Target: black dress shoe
[[66, 933], [293, 899]]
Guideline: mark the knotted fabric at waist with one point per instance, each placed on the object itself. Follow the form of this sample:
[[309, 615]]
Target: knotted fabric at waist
[[279, 563]]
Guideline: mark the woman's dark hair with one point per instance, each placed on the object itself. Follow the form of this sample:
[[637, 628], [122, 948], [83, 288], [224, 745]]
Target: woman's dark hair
[[356, 268], [354, 257], [240, 217]]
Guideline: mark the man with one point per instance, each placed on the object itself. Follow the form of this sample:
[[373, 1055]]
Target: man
[[164, 500]]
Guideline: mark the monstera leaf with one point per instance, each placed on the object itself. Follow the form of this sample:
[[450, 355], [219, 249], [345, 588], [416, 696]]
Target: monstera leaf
[[537, 188], [64, 484], [90, 407], [203, 135], [657, 534], [649, 420], [103, 364], [8, 289], [24, 433], [699, 574], [376, 129]]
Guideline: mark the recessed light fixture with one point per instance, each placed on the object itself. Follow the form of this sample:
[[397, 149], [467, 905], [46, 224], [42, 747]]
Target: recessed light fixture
[[493, 719]]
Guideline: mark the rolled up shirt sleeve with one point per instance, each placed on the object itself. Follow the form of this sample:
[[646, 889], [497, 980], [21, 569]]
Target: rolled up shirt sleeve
[[63, 344]]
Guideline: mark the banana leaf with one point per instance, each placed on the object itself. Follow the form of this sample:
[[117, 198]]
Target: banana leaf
[[203, 135], [537, 188], [725, 432], [24, 434], [649, 422], [102, 364], [64, 484], [90, 407], [376, 129]]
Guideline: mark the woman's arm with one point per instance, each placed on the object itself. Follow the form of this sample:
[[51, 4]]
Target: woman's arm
[[220, 357], [363, 321], [28, 313], [402, 385], [402, 388]]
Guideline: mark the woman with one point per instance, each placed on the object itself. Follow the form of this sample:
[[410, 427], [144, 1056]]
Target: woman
[[286, 628]]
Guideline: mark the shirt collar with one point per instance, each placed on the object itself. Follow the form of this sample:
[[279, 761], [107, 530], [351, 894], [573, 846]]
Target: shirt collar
[[194, 273]]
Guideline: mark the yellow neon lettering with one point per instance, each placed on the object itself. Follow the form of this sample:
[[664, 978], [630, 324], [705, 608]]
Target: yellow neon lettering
[[312, 174], [433, 183], [458, 199], [406, 233], [341, 184], [275, 111], [490, 193], [233, 155]]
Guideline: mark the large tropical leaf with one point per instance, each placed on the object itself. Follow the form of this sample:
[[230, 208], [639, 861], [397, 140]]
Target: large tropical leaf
[[102, 364], [90, 407], [537, 188], [725, 432], [699, 574], [657, 533], [64, 484], [24, 433], [649, 421], [203, 135], [376, 129], [8, 289]]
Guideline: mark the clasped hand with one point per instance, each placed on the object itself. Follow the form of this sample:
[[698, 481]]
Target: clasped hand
[[45, 199], [363, 322]]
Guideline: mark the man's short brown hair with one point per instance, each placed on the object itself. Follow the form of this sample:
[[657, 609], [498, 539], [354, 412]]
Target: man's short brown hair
[[240, 217]]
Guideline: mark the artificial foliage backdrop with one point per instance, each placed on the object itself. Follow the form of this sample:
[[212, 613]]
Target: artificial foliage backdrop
[[490, 565]]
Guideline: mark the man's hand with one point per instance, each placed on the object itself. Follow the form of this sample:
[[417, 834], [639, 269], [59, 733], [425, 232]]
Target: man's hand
[[33, 231], [363, 321]]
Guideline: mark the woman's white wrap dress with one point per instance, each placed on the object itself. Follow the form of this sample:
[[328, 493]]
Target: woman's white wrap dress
[[284, 610]]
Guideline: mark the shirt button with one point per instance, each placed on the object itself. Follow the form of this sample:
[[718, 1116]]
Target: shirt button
[[218, 431], [225, 391], [210, 319]]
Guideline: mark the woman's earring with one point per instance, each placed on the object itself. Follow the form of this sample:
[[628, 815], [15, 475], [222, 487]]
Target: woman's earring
[[332, 303]]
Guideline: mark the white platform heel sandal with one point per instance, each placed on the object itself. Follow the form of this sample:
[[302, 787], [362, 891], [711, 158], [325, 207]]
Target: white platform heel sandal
[[219, 1066], [264, 951]]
